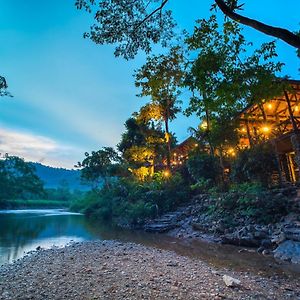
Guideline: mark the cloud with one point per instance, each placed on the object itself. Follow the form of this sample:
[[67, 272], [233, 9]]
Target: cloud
[[38, 148]]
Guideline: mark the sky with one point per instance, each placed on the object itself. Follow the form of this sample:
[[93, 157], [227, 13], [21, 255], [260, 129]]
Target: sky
[[72, 96]]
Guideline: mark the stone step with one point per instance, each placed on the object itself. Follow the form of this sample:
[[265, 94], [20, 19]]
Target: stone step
[[159, 227]]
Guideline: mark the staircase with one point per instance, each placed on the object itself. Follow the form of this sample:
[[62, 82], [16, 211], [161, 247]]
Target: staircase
[[167, 221]]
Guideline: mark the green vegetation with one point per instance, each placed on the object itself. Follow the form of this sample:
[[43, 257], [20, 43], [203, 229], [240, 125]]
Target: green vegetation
[[129, 201], [135, 25], [18, 180], [20, 187], [223, 74], [250, 200]]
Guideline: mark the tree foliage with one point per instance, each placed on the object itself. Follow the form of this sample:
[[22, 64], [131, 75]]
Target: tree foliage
[[134, 25], [18, 179], [99, 165], [224, 78], [141, 145], [255, 164], [3, 87], [130, 25], [161, 78]]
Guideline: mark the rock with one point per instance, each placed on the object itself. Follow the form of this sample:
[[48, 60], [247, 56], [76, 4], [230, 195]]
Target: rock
[[266, 244], [230, 281], [260, 249], [292, 233], [246, 241], [288, 251], [278, 239], [266, 252]]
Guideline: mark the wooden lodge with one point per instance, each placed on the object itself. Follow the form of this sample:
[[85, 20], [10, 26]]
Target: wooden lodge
[[276, 121]]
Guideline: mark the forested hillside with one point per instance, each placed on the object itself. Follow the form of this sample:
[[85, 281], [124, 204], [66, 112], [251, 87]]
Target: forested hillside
[[58, 177]]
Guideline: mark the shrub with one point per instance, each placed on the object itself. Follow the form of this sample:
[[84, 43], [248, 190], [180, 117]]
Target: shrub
[[203, 166], [255, 164], [253, 201], [133, 201]]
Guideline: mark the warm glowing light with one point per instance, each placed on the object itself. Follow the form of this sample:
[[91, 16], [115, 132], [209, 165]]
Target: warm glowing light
[[296, 108], [203, 125], [270, 106], [196, 145], [231, 151], [266, 129], [243, 129], [166, 173], [175, 154]]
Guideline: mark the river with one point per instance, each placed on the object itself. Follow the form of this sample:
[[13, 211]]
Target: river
[[22, 231]]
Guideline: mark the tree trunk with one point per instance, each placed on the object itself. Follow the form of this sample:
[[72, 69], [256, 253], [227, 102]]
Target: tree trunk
[[283, 34], [168, 143]]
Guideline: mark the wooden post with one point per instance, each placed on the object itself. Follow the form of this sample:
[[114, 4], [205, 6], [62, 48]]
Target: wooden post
[[249, 134], [295, 137]]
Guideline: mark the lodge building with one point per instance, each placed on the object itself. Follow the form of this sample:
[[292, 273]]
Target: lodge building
[[276, 121]]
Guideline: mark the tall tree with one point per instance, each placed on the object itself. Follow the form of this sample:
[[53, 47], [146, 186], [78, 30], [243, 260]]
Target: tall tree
[[224, 78], [99, 166], [134, 25], [141, 145], [161, 78], [18, 179]]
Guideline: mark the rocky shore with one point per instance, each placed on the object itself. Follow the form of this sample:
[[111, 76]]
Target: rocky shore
[[114, 270], [281, 239]]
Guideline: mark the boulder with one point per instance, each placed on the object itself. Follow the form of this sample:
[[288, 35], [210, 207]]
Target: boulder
[[278, 239], [288, 251], [230, 281], [292, 233]]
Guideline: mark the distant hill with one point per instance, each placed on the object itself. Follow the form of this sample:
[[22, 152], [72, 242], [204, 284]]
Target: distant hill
[[57, 177]]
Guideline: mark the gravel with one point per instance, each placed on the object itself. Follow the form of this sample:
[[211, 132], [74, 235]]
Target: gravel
[[114, 270]]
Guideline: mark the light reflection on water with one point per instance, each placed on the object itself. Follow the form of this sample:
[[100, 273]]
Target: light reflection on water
[[22, 231]]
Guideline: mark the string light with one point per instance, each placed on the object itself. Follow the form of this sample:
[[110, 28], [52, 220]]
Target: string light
[[231, 151]]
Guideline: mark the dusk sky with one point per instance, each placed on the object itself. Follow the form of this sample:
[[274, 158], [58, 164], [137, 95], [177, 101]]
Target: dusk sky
[[72, 96]]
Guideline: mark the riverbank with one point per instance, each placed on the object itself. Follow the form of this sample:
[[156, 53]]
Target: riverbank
[[33, 204], [280, 239], [114, 270]]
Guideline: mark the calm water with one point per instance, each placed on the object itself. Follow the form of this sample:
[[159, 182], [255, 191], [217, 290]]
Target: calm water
[[24, 230]]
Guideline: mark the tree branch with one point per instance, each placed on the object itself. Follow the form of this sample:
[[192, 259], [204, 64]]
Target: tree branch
[[164, 2], [283, 34]]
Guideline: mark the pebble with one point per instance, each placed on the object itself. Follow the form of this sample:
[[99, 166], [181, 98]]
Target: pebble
[[96, 270]]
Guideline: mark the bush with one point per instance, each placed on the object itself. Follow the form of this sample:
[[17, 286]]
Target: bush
[[252, 201], [255, 164], [203, 166], [132, 201]]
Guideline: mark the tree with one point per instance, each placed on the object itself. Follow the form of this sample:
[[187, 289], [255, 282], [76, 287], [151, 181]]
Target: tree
[[161, 78], [3, 87], [99, 165], [224, 80], [141, 146], [134, 25], [18, 179]]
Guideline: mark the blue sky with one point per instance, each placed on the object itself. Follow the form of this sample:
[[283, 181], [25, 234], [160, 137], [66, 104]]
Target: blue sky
[[72, 96]]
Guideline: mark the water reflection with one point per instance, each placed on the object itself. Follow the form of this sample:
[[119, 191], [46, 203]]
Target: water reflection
[[23, 231]]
